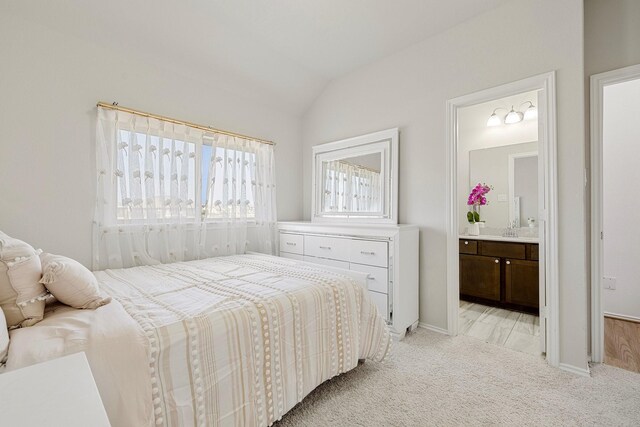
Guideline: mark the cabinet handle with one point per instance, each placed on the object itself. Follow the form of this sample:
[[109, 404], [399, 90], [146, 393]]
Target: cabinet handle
[[466, 243], [508, 262], [325, 247], [497, 261], [367, 253], [291, 243]]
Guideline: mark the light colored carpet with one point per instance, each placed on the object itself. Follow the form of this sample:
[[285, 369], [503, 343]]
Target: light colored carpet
[[433, 379]]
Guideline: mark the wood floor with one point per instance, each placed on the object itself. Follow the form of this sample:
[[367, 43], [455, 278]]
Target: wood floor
[[506, 328], [622, 344]]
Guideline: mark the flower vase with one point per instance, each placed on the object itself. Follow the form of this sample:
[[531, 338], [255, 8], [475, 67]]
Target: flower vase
[[473, 229]]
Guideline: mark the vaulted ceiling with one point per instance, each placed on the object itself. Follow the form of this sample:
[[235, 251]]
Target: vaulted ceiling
[[282, 52]]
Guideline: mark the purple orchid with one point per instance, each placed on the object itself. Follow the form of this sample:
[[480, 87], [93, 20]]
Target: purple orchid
[[477, 197]]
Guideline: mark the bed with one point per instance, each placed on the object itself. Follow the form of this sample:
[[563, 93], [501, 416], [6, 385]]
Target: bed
[[235, 340]]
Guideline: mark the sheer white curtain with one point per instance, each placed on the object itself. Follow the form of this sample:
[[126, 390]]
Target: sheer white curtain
[[168, 192], [350, 188]]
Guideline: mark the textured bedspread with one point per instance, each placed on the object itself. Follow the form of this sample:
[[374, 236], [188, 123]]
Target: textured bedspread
[[240, 340]]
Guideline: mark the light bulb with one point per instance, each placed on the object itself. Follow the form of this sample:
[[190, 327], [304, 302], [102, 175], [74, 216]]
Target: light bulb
[[494, 120], [513, 117], [531, 113]]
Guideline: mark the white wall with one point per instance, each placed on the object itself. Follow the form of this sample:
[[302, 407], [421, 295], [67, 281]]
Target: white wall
[[409, 90], [473, 134], [611, 34], [621, 203], [49, 85]]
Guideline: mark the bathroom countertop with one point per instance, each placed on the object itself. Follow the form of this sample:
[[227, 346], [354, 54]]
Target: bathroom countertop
[[500, 238]]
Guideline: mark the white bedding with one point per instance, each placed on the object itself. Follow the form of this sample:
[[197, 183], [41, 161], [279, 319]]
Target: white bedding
[[226, 341]]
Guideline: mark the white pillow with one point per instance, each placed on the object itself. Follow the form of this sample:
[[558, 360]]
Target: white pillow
[[4, 339], [22, 297], [71, 282]]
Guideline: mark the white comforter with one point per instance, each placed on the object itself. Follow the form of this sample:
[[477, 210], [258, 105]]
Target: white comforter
[[226, 341]]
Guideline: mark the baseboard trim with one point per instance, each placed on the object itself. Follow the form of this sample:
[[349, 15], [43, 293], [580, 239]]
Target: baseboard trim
[[433, 328], [575, 370], [622, 317]]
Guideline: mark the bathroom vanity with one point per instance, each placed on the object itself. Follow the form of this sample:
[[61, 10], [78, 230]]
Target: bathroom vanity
[[500, 271]]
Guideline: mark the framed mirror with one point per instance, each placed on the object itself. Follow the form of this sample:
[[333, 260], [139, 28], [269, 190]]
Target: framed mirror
[[511, 171], [356, 179]]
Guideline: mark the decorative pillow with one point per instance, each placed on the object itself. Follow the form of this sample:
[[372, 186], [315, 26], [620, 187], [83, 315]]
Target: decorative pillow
[[22, 297], [71, 282], [4, 339]]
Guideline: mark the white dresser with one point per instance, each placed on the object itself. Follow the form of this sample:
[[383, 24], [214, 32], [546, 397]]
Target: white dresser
[[387, 253]]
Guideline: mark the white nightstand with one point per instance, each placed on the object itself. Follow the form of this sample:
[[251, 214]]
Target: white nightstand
[[59, 392]]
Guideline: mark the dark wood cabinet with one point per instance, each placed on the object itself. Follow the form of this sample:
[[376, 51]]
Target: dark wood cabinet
[[503, 274], [480, 276], [521, 283]]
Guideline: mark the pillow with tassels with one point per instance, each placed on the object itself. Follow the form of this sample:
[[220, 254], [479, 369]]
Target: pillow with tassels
[[71, 282], [22, 297]]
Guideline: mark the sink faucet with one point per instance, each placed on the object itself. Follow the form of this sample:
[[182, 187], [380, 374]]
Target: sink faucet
[[511, 230]]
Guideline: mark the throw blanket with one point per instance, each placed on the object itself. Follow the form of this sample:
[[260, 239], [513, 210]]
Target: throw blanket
[[240, 340]]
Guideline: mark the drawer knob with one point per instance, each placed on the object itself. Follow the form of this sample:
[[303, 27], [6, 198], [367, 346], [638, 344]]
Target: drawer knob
[[497, 261], [508, 262], [291, 243], [325, 247], [466, 243], [367, 253]]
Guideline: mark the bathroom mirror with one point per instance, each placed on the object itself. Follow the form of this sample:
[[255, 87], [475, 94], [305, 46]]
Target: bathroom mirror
[[511, 171], [355, 180]]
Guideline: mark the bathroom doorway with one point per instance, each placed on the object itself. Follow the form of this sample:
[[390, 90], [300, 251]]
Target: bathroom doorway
[[502, 244], [498, 182]]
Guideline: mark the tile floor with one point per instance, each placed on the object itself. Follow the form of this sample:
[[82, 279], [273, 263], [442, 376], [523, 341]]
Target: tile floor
[[510, 329]]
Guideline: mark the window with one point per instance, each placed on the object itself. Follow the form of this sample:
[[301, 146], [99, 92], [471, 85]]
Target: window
[[227, 183], [170, 174]]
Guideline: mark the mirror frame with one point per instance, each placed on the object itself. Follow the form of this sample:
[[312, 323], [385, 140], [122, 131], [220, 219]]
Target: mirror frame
[[384, 142]]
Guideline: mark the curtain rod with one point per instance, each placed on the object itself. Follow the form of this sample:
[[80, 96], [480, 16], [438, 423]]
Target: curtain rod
[[359, 166], [115, 106]]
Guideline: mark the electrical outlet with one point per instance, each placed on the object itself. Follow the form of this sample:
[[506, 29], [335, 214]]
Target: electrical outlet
[[502, 197], [609, 283]]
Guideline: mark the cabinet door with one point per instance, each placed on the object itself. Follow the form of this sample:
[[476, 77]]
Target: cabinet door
[[521, 282], [480, 276]]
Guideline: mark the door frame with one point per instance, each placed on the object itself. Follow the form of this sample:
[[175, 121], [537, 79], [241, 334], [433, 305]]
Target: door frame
[[598, 83], [548, 226]]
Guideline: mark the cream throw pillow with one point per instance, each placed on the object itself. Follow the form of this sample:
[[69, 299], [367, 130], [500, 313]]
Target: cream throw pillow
[[22, 297], [71, 282]]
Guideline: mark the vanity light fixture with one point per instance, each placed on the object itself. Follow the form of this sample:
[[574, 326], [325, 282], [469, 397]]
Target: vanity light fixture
[[513, 116]]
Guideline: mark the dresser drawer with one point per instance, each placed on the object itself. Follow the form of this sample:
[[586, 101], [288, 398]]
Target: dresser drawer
[[327, 247], [297, 257], [292, 243], [380, 300], [369, 252], [378, 277], [329, 262], [469, 247], [503, 250]]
